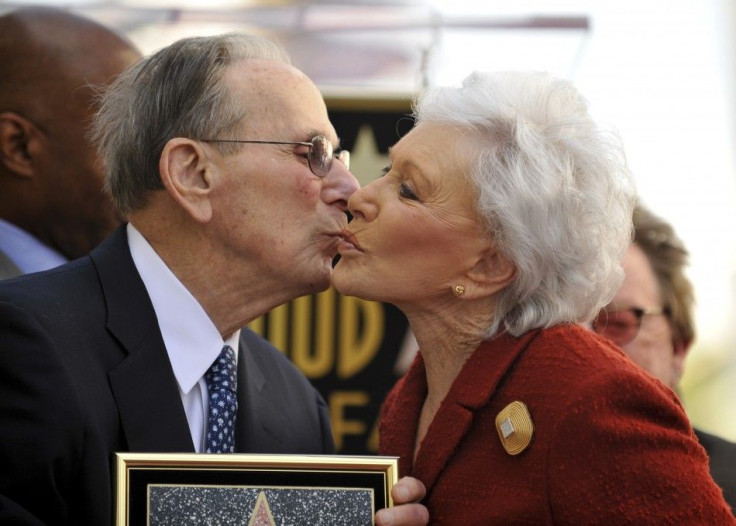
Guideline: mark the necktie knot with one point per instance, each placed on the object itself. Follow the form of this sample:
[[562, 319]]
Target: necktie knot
[[222, 374], [221, 380]]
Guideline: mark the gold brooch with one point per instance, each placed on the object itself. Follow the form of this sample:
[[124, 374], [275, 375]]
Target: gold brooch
[[515, 427]]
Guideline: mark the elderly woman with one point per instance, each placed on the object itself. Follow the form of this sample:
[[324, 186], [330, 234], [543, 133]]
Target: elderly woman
[[498, 228]]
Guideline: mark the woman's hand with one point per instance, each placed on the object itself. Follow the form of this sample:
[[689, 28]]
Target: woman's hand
[[407, 511]]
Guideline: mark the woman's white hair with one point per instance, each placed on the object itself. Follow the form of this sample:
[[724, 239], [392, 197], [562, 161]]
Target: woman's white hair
[[553, 188]]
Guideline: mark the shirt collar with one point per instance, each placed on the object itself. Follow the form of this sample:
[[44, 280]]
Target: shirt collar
[[192, 341], [26, 251]]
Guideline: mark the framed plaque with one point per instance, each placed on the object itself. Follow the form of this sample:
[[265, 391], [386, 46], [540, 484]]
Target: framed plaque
[[160, 489]]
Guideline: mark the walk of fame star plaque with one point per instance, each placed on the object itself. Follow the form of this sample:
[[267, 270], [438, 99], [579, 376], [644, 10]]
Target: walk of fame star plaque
[[161, 489]]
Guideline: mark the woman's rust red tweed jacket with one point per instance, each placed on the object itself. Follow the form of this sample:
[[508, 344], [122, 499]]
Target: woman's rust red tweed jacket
[[611, 445]]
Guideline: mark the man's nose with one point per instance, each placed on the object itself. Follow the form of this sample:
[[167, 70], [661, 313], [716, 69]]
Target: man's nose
[[339, 185]]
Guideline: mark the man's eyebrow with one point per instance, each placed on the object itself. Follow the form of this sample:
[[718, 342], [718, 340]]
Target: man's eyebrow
[[307, 136], [313, 133]]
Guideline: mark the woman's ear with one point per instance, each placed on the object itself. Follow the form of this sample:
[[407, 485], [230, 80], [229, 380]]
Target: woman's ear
[[491, 273], [18, 143], [186, 174]]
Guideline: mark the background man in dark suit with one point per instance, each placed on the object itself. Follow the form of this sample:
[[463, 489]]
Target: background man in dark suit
[[220, 154], [651, 319], [52, 207]]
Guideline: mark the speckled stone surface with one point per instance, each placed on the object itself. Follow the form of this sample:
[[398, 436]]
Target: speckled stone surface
[[217, 506]]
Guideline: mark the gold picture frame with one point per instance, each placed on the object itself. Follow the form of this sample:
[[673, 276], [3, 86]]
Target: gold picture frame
[[158, 489]]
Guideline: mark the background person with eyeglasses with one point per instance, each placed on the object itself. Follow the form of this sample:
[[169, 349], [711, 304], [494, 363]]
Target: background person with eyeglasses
[[651, 319]]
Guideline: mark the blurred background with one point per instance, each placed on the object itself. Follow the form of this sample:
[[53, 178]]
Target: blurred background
[[662, 73]]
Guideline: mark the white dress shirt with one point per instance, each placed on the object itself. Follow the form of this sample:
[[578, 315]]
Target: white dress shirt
[[192, 340], [26, 251]]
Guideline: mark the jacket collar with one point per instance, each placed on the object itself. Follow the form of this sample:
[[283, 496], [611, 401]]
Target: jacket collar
[[144, 386], [471, 391], [260, 420]]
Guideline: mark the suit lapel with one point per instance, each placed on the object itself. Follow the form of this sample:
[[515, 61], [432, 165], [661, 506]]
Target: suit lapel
[[259, 423], [471, 390], [144, 385]]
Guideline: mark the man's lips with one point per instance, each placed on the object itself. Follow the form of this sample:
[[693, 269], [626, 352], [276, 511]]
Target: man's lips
[[348, 242]]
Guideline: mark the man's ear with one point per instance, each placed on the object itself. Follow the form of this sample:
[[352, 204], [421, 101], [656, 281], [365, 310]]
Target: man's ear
[[186, 175], [18, 143], [491, 273]]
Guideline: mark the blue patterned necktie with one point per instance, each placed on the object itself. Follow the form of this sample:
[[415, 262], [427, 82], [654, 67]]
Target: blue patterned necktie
[[221, 380]]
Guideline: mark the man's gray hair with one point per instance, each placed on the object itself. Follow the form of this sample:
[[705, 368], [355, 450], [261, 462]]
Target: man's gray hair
[[553, 189], [176, 92]]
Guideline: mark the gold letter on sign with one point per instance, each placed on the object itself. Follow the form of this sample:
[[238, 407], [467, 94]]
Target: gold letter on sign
[[313, 364], [339, 400], [356, 353]]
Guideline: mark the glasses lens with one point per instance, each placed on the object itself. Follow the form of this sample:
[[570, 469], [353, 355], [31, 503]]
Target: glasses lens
[[320, 156], [618, 326]]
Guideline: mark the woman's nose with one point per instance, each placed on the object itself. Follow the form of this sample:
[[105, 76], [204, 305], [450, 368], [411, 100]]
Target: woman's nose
[[362, 203]]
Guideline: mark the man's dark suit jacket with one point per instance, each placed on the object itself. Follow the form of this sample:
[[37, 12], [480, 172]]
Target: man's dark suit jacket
[[84, 373], [722, 458], [8, 269]]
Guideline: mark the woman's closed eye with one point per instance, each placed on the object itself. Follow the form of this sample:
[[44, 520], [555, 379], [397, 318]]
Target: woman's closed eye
[[406, 192]]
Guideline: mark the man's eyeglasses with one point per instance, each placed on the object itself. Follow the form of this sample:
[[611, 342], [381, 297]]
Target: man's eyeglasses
[[320, 152], [622, 325]]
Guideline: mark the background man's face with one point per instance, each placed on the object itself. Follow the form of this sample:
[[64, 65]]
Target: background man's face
[[652, 348], [75, 204]]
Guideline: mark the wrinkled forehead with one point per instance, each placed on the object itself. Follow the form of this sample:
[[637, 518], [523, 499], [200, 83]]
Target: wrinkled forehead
[[278, 100]]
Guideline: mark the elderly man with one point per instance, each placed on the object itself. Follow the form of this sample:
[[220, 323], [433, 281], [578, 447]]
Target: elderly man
[[651, 319], [221, 155], [52, 207]]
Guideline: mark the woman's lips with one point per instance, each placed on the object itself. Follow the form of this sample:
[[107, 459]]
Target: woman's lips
[[348, 242]]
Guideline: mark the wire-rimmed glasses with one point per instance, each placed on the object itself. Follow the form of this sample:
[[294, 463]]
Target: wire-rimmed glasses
[[320, 154]]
